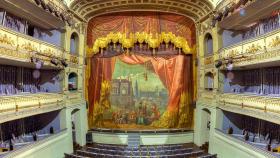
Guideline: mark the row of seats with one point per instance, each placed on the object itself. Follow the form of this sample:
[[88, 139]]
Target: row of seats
[[159, 151], [138, 155], [78, 156], [140, 149]]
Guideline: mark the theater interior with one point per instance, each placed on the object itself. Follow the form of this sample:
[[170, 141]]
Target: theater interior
[[139, 79]]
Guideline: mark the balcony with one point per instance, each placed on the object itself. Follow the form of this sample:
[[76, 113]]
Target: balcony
[[20, 47], [18, 106], [255, 10], [48, 14], [263, 50], [263, 107]]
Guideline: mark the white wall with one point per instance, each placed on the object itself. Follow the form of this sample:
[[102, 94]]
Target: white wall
[[145, 139]]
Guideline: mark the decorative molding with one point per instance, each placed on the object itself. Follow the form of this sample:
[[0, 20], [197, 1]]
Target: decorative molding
[[195, 9], [264, 107], [262, 49], [17, 46]]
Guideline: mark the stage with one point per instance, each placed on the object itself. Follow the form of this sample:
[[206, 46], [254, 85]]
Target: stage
[[143, 137]]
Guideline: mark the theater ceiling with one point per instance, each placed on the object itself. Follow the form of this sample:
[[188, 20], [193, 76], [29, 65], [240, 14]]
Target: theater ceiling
[[194, 9]]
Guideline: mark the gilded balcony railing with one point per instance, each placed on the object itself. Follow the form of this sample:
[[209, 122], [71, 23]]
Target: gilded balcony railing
[[262, 49], [18, 103], [17, 46], [263, 103]]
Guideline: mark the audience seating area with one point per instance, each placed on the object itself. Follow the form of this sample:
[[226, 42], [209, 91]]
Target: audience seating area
[[159, 151]]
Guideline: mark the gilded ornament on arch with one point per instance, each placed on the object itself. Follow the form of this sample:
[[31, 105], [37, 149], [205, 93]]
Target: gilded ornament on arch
[[74, 59]]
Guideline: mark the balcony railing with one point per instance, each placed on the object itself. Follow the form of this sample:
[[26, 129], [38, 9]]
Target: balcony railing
[[263, 49], [263, 103], [17, 46], [13, 105], [242, 145], [41, 144]]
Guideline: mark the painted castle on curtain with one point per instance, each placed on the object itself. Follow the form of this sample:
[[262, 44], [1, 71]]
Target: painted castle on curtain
[[138, 98]]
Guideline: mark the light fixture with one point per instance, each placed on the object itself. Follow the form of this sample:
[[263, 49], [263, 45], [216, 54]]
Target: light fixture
[[64, 63], [54, 61], [219, 64]]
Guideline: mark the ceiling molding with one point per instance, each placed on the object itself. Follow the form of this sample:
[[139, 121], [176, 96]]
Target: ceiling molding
[[194, 9]]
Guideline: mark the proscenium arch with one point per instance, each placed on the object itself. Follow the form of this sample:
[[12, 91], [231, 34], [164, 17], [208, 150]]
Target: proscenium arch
[[194, 9]]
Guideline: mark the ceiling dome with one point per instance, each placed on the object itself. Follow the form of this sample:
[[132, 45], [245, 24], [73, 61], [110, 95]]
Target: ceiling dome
[[194, 9]]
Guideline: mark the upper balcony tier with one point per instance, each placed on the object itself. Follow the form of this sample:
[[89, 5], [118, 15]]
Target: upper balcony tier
[[18, 106], [48, 14], [241, 14], [264, 50], [263, 107], [18, 47]]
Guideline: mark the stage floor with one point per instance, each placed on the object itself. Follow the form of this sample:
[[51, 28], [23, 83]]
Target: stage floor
[[146, 137]]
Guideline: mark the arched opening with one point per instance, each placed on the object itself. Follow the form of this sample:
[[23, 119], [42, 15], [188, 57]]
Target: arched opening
[[74, 44], [209, 81], [208, 45], [206, 126], [72, 81], [75, 127]]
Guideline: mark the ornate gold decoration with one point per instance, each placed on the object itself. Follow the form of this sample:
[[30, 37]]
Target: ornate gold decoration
[[103, 104], [253, 48], [4, 39], [208, 60], [29, 47], [233, 53], [153, 41], [49, 52], [74, 59], [275, 42]]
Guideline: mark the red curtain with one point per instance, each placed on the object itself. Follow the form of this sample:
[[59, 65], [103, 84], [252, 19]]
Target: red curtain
[[149, 22], [174, 72]]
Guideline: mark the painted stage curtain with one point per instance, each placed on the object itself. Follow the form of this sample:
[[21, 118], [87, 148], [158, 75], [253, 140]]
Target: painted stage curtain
[[174, 72], [149, 22]]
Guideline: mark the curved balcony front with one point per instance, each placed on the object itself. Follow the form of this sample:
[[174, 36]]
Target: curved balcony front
[[18, 106], [251, 53]]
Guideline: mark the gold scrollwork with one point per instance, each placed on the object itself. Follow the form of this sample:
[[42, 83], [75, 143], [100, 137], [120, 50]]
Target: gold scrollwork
[[4, 39], [253, 48], [74, 59], [29, 47], [275, 42]]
